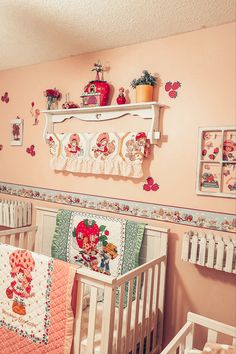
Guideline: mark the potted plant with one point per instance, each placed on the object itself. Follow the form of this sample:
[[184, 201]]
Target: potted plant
[[144, 86]]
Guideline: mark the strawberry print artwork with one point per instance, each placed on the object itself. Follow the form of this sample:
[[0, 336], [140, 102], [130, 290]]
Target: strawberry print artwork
[[5, 98], [172, 88], [95, 252], [31, 150], [22, 264], [150, 185]]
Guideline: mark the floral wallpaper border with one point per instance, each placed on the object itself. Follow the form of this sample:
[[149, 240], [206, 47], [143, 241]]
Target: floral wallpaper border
[[173, 214]]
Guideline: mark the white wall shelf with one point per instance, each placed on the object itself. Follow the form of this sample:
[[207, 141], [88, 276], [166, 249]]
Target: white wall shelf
[[147, 110]]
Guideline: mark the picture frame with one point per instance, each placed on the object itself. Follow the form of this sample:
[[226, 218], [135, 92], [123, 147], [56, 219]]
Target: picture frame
[[16, 138], [216, 162]]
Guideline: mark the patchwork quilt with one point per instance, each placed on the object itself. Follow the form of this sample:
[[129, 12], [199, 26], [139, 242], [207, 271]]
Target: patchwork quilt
[[99, 153], [35, 303], [100, 243]]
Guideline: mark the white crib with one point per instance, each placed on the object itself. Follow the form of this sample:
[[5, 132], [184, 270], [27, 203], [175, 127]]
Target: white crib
[[184, 339], [104, 327]]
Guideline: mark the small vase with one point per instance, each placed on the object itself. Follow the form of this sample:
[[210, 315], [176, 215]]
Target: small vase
[[144, 93], [52, 103]]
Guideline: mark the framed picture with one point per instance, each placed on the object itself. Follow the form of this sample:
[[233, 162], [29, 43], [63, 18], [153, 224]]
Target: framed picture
[[216, 163], [16, 132]]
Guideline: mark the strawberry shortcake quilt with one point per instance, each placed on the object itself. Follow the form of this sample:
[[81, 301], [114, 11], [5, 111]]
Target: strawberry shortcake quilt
[[35, 302]]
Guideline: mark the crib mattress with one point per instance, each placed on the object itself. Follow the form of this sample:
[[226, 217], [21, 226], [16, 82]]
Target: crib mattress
[[98, 328]]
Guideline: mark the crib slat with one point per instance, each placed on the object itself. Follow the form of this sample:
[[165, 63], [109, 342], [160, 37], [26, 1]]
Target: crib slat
[[127, 334], [78, 318], [158, 268], [12, 240], [108, 319], [145, 283], [120, 318], [21, 240], [136, 320], [150, 310], [212, 336], [92, 320]]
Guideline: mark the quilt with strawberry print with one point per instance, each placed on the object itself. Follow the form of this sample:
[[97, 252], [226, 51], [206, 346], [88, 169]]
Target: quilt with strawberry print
[[99, 153], [35, 303], [100, 243]]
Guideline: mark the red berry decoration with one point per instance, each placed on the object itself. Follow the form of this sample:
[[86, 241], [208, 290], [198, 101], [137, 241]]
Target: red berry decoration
[[30, 150], [168, 86], [150, 181], [211, 157], [176, 85], [204, 152], [216, 151], [150, 185], [155, 187], [146, 187], [173, 94]]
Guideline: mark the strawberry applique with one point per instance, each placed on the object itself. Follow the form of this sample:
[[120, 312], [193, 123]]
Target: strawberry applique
[[30, 150], [5, 98], [150, 185], [172, 88]]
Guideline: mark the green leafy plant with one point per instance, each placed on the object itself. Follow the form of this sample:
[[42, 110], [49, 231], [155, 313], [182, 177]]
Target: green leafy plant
[[145, 79]]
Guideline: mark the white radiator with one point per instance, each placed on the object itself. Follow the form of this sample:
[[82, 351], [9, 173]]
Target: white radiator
[[218, 252], [14, 213]]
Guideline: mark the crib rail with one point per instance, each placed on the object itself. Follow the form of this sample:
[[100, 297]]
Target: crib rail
[[218, 252], [23, 237], [14, 213], [134, 323], [183, 341]]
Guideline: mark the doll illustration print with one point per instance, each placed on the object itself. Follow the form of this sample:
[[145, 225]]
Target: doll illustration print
[[73, 149], [22, 264], [109, 252], [229, 148], [135, 147], [104, 147]]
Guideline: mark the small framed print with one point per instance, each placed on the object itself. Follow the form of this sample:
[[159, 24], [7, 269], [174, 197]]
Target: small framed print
[[16, 132], [216, 165]]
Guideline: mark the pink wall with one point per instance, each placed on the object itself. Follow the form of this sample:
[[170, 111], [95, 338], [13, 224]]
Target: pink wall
[[204, 62]]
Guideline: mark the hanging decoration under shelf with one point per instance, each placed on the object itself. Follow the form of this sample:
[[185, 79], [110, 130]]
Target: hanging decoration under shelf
[[109, 153], [104, 153]]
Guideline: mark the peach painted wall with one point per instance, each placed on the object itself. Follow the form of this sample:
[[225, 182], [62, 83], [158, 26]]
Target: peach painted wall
[[204, 62]]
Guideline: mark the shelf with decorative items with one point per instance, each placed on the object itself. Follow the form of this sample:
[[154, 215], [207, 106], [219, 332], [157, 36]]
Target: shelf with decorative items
[[146, 110], [216, 166]]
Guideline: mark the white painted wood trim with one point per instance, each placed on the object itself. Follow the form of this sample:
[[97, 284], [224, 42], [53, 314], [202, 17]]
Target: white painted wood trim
[[147, 110]]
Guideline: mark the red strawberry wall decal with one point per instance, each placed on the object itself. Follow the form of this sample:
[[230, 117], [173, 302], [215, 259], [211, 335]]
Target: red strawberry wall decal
[[172, 88], [31, 150], [150, 185], [5, 98]]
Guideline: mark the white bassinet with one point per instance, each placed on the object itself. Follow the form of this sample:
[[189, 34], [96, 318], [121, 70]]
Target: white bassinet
[[104, 327]]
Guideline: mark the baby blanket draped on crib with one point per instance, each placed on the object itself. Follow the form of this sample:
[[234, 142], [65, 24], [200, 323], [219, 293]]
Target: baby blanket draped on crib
[[107, 245], [99, 153], [35, 303]]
